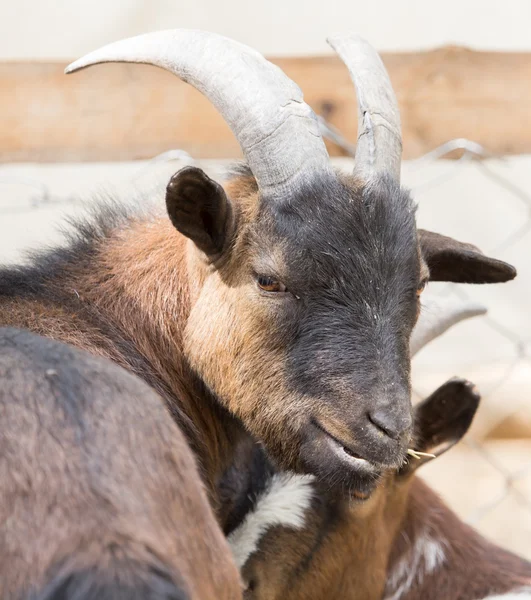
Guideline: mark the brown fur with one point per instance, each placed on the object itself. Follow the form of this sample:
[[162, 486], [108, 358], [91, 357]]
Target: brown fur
[[473, 567], [94, 477], [339, 554], [130, 288]]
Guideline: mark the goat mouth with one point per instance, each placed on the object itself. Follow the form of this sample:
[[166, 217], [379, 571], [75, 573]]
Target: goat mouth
[[344, 452]]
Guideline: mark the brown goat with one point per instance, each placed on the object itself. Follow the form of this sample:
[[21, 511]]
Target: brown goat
[[401, 542], [100, 497], [285, 300]]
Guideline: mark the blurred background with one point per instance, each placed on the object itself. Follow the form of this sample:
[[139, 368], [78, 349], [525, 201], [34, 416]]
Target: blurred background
[[462, 74]]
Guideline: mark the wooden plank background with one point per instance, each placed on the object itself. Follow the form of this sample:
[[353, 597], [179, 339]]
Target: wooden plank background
[[124, 112]]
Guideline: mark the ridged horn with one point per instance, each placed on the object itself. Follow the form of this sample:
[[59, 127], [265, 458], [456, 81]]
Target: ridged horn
[[379, 146], [277, 131]]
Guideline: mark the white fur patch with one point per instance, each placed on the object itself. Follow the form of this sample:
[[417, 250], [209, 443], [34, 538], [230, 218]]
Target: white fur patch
[[433, 555], [284, 502], [520, 594], [425, 557]]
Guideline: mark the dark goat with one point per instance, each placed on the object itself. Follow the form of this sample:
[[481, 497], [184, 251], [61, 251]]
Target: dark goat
[[285, 299], [100, 497]]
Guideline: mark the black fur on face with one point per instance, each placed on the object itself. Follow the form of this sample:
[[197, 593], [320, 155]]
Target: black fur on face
[[351, 265]]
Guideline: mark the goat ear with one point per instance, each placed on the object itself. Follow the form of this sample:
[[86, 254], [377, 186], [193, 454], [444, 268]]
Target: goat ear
[[442, 419], [450, 260], [199, 208]]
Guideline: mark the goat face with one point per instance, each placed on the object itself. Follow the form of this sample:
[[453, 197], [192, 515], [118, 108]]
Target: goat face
[[302, 316]]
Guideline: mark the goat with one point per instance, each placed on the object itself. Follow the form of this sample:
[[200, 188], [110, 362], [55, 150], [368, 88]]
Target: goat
[[284, 301], [293, 539], [100, 496]]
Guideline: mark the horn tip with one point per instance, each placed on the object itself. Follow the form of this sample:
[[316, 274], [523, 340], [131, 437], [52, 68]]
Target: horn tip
[[476, 309], [77, 65]]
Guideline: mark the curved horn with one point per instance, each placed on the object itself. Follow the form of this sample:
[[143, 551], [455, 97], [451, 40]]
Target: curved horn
[[379, 148], [438, 315], [276, 129]]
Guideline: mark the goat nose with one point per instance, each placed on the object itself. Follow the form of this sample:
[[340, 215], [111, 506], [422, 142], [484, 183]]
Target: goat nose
[[393, 426]]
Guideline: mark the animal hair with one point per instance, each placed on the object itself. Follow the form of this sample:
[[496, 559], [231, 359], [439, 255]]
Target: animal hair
[[145, 583]]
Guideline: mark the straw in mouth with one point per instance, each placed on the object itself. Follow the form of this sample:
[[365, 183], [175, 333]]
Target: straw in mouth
[[418, 455]]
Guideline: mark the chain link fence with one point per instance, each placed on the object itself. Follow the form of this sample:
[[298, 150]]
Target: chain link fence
[[476, 198]]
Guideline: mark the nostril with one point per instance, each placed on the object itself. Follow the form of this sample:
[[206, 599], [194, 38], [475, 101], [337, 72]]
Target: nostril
[[392, 426]]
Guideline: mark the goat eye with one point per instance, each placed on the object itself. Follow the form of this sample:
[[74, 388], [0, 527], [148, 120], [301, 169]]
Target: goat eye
[[269, 284], [421, 286]]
